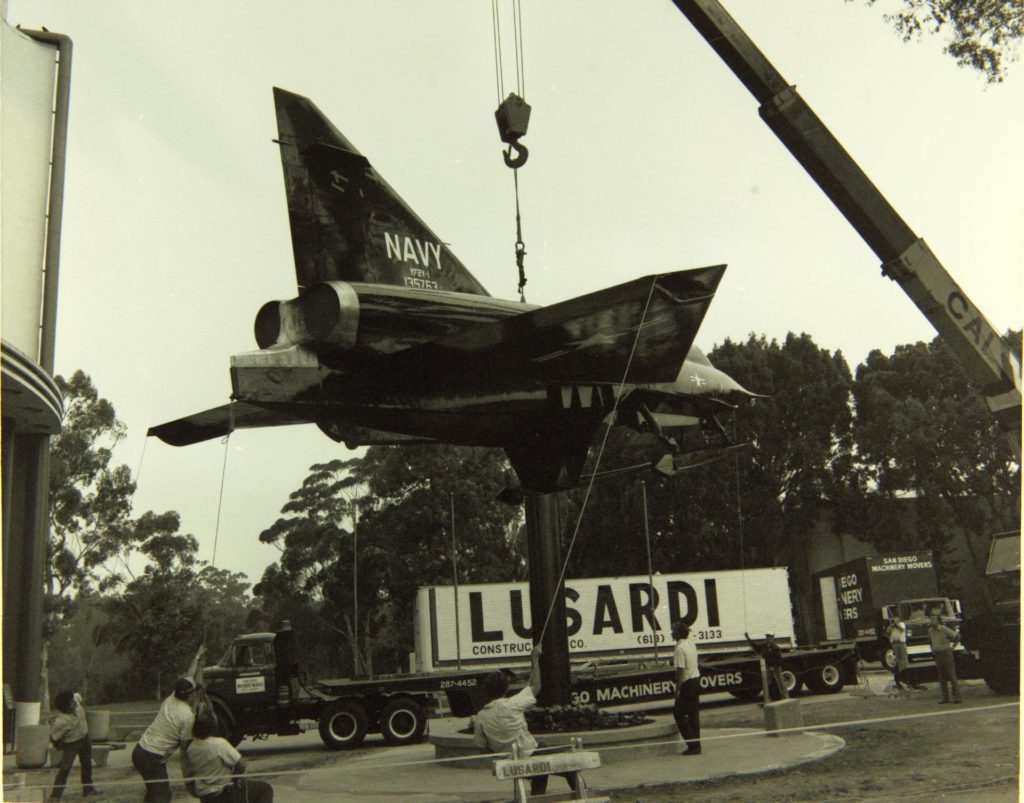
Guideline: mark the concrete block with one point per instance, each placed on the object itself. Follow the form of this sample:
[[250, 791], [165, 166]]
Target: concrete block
[[783, 715]]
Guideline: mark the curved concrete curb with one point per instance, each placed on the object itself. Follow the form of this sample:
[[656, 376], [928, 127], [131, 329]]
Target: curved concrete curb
[[410, 775]]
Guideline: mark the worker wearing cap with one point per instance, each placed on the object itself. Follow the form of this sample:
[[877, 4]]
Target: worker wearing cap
[[170, 730]]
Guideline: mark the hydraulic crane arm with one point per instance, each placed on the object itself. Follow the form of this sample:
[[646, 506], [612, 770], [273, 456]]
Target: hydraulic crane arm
[[906, 259]]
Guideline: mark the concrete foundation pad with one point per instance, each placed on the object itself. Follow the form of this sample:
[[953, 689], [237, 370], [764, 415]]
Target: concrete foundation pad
[[410, 774]]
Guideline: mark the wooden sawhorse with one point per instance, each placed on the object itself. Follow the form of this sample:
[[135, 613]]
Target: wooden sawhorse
[[520, 769]]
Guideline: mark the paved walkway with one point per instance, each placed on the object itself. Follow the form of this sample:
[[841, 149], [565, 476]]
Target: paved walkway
[[409, 774], [382, 776]]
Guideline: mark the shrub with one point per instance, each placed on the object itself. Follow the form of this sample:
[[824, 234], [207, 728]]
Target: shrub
[[571, 718]]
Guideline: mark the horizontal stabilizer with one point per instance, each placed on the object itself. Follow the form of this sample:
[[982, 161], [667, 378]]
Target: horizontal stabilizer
[[637, 332], [220, 421]]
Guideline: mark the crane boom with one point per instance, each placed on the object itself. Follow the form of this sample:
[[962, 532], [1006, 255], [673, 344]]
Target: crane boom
[[905, 258]]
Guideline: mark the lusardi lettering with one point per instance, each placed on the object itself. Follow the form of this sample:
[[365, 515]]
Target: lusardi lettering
[[505, 648], [606, 615], [404, 248]]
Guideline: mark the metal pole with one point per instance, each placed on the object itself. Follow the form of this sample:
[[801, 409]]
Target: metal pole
[[62, 103], [455, 586], [355, 587], [650, 572], [544, 551]]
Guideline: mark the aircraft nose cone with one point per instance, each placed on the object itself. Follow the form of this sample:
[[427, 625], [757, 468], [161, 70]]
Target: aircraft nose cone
[[706, 380]]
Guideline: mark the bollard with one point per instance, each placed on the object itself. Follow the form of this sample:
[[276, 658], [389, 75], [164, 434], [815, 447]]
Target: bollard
[[782, 715], [99, 725], [32, 745]]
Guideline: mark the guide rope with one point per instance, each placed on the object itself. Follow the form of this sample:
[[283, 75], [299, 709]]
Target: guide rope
[[220, 498], [600, 455], [739, 524], [390, 765], [142, 456]]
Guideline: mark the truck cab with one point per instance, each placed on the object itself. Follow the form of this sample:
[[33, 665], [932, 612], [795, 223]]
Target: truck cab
[[250, 688], [916, 615]]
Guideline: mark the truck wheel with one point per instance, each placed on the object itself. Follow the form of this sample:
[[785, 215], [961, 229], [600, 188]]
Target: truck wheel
[[226, 723], [343, 725], [825, 679], [889, 659], [1000, 671], [791, 682], [402, 721]]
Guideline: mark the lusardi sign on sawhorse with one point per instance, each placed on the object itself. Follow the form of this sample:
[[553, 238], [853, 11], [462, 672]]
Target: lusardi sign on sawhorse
[[605, 616]]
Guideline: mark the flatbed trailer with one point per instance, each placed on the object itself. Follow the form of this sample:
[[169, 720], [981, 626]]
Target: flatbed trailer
[[824, 670], [256, 690], [820, 670]]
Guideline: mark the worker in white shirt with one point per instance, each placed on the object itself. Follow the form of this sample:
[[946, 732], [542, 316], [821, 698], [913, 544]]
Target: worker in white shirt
[[170, 730], [687, 707], [501, 723]]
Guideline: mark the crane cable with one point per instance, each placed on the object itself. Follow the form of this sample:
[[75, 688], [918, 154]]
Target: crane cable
[[512, 116]]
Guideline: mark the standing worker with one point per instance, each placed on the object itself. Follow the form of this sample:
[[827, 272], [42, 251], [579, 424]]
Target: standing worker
[[687, 707], [943, 639], [69, 732], [772, 660], [897, 633], [170, 730]]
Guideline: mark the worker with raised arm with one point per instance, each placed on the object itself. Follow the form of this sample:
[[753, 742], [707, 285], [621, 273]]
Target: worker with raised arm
[[501, 722], [944, 640], [772, 655], [170, 730]]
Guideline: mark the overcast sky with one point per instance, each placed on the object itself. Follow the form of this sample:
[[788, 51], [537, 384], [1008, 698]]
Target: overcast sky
[[646, 155]]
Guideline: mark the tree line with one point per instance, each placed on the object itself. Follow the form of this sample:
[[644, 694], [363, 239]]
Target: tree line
[[903, 455]]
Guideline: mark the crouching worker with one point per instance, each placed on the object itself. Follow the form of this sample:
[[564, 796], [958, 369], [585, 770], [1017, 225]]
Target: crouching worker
[[69, 732], [501, 723], [213, 766]]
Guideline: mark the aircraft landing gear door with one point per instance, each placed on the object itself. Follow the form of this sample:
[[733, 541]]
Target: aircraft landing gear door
[[830, 608]]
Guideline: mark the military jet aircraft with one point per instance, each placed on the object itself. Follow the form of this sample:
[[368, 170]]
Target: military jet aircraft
[[391, 340]]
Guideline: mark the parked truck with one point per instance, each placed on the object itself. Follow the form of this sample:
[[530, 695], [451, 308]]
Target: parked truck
[[856, 601], [257, 689], [618, 629], [993, 633]]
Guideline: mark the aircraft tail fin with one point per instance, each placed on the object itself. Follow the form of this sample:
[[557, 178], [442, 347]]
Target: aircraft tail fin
[[346, 222]]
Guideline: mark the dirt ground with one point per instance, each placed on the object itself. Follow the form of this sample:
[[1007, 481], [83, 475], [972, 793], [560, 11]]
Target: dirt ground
[[972, 755]]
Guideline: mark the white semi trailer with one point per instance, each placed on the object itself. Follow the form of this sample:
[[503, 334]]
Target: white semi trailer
[[615, 624]]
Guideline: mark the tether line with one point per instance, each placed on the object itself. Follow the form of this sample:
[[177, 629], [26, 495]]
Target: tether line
[[600, 455], [220, 499], [743, 734]]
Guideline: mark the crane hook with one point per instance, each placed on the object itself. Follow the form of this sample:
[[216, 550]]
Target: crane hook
[[522, 153]]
